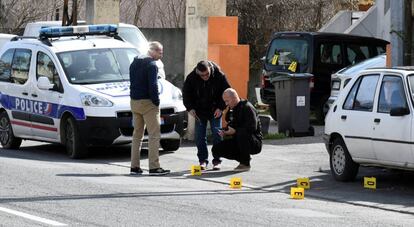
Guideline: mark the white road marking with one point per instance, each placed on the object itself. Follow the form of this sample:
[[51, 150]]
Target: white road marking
[[32, 217]]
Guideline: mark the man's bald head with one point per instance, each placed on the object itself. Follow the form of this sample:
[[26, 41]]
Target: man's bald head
[[230, 97]]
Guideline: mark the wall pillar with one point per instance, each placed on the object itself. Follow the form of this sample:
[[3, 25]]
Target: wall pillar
[[102, 11]]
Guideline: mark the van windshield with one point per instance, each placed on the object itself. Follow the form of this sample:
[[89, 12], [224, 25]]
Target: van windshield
[[97, 65], [283, 52], [135, 37]]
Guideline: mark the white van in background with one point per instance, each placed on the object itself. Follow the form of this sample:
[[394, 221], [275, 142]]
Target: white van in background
[[127, 32], [4, 38]]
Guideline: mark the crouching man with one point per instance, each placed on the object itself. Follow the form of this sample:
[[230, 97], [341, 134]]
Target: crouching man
[[244, 130]]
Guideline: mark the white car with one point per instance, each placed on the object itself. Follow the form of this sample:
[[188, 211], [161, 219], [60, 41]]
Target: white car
[[71, 86], [371, 123], [341, 78]]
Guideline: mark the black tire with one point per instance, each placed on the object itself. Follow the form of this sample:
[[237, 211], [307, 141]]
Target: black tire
[[343, 168], [75, 147], [290, 132], [7, 138], [170, 145], [311, 131], [272, 110]]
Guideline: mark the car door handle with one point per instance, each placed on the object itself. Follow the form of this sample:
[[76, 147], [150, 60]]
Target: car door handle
[[34, 95], [377, 120], [343, 117], [25, 93]]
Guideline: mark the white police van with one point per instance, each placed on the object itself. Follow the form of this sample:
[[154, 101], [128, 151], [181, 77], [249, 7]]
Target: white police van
[[71, 86]]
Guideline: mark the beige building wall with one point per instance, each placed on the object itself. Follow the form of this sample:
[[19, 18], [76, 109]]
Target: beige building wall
[[196, 37], [102, 11]]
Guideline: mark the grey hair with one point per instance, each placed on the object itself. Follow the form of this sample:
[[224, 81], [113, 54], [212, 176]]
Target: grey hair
[[154, 45], [231, 92]]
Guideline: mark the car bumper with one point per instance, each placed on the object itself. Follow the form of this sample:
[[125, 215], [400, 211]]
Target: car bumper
[[326, 140], [113, 130]]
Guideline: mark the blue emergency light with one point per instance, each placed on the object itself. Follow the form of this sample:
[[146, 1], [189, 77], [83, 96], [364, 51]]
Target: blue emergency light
[[102, 29]]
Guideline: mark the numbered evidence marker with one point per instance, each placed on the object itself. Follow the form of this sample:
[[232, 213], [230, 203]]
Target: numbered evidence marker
[[195, 170], [297, 193], [370, 182], [235, 182], [303, 183]]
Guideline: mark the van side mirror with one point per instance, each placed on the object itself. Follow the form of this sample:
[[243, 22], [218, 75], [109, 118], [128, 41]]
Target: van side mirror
[[399, 111], [43, 83]]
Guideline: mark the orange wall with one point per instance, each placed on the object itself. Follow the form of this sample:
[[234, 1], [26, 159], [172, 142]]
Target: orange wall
[[234, 61], [222, 30], [224, 50]]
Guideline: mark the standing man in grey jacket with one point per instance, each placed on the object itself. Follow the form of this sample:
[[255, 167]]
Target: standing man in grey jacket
[[145, 102]]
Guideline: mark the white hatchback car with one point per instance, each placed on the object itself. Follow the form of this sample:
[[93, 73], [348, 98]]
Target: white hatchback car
[[371, 123]]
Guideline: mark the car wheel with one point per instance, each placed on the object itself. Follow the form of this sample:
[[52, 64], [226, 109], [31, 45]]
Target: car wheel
[[343, 168], [74, 145], [272, 110], [170, 145], [7, 138]]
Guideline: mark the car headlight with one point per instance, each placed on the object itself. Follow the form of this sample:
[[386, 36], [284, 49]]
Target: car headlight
[[176, 94], [94, 100]]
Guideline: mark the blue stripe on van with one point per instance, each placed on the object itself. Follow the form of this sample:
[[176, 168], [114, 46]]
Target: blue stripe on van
[[40, 108]]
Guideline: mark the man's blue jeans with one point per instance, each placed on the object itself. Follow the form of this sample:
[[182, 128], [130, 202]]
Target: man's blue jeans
[[201, 137]]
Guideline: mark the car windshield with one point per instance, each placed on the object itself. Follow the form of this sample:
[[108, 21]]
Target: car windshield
[[97, 65], [135, 37], [283, 52], [379, 61]]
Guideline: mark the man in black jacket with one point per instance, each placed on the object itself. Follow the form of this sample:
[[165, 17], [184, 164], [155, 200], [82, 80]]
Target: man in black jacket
[[202, 93], [145, 109], [244, 129]]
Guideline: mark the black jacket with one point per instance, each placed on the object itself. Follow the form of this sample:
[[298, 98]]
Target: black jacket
[[205, 96], [143, 75], [243, 118]]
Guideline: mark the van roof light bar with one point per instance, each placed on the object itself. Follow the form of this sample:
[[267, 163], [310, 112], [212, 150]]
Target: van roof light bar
[[55, 32]]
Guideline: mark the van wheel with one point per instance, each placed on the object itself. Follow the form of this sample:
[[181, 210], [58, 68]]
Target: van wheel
[[7, 138], [272, 110], [74, 145], [170, 145], [343, 168]]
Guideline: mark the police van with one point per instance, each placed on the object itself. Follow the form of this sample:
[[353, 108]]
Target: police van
[[71, 85]]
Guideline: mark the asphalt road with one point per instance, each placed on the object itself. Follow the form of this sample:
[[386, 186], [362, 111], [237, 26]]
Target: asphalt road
[[40, 186]]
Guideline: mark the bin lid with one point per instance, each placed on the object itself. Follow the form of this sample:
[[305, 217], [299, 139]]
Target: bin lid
[[279, 76]]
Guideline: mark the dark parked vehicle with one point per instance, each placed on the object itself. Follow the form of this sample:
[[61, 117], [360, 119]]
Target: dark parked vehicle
[[320, 54]]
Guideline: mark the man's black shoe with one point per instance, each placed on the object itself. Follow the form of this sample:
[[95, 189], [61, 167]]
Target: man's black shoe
[[136, 171], [158, 172]]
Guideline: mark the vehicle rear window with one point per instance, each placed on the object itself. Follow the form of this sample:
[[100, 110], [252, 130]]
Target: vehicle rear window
[[283, 52]]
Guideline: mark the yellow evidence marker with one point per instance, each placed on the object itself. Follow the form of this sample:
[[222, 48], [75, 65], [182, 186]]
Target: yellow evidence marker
[[195, 170], [370, 182], [235, 182], [303, 183], [297, 193]]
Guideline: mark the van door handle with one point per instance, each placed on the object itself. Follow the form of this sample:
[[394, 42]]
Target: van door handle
[[343, 117], [377, 120], [34, 95], [25, 93]]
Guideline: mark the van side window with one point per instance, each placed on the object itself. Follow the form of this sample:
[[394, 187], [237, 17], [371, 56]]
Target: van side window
[[21, 66], [356, 53], [5, 65], [46, 67], [361, 96], [330, 53], [392, 94]]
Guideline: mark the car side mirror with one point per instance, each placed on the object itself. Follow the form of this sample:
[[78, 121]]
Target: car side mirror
[[399, 111], [43, 83]]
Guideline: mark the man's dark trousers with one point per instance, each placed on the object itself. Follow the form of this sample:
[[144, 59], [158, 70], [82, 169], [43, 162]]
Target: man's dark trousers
[[237, 148]]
